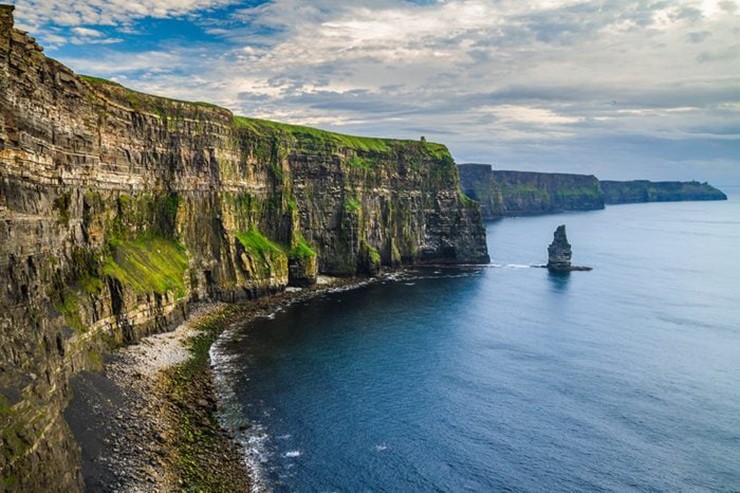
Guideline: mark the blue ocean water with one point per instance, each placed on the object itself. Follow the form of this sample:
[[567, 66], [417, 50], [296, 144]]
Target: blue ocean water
[[506, 377]]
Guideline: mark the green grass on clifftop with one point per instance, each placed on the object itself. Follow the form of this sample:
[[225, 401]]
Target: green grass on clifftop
[[165, 106], [365, 144], [263, 127], [149, 265]]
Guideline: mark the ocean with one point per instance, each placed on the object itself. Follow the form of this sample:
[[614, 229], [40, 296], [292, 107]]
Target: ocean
[[506, 377]]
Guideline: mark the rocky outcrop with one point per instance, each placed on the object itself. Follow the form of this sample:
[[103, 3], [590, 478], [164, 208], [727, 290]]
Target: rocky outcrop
[[626, 192], [118, 209], [520, 193], [559, 252]]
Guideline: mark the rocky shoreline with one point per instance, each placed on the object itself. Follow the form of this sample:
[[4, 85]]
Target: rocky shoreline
[[147, 421]]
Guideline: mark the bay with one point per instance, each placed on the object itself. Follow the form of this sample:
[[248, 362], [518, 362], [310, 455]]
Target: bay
[[507, 377]]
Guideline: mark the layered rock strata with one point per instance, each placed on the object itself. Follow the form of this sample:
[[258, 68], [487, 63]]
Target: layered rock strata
[[559, 252], [637, 191], [521, 193], [118, 209]]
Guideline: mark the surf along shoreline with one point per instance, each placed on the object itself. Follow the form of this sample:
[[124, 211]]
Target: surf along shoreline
[[148, 420]]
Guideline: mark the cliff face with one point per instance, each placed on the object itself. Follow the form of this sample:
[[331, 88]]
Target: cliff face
[[625, 192], [117, 209], [518, 193], [521, 193]]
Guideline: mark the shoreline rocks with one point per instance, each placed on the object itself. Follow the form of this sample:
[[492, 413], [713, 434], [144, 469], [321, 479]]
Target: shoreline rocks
[[148, 421]]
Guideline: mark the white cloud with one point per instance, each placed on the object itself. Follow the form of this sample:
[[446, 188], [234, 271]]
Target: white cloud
[[528, 114], [476, 74], [106, 12], [87, 32]]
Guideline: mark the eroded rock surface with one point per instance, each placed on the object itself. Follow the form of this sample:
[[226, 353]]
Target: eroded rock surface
[[559, 252], [521, 193], [118, 209]]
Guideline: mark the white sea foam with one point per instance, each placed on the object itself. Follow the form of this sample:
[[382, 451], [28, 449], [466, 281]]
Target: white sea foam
[[293, 453], [252, 437]]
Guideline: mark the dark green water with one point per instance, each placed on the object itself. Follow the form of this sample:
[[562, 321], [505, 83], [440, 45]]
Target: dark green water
[[507, 378]]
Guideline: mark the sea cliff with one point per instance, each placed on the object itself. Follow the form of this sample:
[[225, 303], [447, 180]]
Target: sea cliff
[[627, 192], [520, 193], [119, 209]]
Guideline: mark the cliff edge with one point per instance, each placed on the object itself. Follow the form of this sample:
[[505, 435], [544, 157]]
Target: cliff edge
[[118, 209], [636, 191], [521, 193]]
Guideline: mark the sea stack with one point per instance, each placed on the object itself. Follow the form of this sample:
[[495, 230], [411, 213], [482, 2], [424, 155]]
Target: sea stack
[[559, 252]]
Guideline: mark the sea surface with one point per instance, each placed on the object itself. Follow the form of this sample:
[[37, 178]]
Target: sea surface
[[506, 377]]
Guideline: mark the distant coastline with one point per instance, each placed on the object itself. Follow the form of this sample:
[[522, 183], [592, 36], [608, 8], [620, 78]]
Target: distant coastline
[[506, 193]]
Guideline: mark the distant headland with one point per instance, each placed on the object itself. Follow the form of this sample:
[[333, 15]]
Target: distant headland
[[504, 193]]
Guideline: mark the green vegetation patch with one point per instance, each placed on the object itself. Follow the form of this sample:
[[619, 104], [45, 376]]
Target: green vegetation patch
[[438, 151], [301, 250], [68, 303], [374, 255], [352, 205], [149, 265], [268, 258], [5, 408], [466, 201], [358, 162], [71, 294], [256, 243], [266, 127]]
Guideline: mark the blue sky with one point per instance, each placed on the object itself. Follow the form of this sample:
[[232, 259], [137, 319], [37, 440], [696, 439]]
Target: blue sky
[[619, 88]]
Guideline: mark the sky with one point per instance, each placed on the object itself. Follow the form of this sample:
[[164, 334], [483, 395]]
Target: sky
[[622, 89]]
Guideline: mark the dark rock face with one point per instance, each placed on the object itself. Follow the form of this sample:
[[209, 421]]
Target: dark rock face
[[521, 193], [627, 192], [118, 209], [559, 251]]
